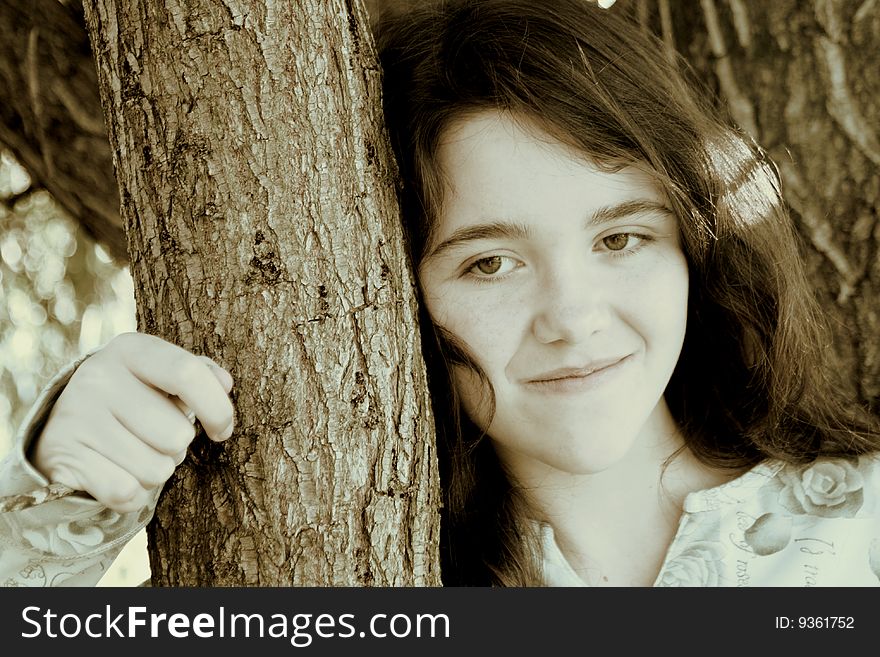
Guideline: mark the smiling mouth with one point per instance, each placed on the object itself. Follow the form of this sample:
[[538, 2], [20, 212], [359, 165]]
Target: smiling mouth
[[568, 373], [578, 379]]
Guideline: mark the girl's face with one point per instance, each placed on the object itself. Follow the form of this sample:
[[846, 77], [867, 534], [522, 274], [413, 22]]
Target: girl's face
[[568, 286]]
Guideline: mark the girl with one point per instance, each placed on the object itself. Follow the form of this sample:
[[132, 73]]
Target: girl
[[625, 359]]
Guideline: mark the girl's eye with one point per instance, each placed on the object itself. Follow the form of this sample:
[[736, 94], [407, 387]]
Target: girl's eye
[[623, 244], [617, 242], [489, 265], [493, 266]]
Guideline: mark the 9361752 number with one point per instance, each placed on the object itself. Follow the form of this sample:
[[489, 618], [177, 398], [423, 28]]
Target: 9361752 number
[[815, 622]]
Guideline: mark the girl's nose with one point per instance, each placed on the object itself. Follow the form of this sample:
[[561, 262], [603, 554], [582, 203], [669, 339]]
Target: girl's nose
[[570, 307]]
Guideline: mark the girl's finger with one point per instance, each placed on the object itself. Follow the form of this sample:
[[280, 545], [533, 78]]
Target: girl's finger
[[180, 457], [223, 376], [112, 440], [178, 372], [109, 484], [156, 419]]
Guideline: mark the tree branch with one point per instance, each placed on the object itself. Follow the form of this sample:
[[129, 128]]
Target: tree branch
[[51, 119], [10, 201]]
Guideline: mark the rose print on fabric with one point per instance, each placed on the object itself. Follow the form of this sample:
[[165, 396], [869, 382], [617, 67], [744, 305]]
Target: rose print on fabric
[[826, 488], [33, 571], [769, 534], [699, 564], [33, 574], [74, 537]]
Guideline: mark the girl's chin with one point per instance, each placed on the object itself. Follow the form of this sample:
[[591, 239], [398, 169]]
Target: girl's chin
[[575, 460]]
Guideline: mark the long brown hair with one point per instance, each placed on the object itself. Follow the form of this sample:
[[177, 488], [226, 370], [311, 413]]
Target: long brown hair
[[751, 381]]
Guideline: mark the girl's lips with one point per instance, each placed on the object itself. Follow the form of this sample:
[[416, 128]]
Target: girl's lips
[[578, 379], [576, 372]]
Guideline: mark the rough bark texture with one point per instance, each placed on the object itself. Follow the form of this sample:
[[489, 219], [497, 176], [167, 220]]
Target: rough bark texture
[[50, 113], [802, 77], [259, 202]]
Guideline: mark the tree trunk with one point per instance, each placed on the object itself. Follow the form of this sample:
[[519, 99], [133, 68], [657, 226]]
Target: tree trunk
[[259, 202], [802, 77], [50, 114]]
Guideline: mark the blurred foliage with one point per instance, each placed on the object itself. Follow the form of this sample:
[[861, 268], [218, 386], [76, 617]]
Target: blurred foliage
[[60, 294]]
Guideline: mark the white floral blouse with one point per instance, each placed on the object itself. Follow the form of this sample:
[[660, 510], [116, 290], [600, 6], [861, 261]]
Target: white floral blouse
[[776, 525], [47, 540]]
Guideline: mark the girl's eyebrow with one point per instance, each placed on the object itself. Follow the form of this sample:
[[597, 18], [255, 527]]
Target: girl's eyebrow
[[611, 213], [488, 231], [519, 231]]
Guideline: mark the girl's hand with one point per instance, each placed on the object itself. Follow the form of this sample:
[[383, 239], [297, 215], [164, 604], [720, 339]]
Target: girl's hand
[[123, 422]]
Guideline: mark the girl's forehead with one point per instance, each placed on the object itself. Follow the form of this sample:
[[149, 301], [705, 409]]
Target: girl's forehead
[[504, 129], [497, 159], [494, 146]]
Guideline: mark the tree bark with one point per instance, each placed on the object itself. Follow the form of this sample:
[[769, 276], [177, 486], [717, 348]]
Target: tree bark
[[258, 195], [50, 114], [802, 78]]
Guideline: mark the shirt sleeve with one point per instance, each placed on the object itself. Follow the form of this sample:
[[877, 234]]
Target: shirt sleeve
[[48, 538]]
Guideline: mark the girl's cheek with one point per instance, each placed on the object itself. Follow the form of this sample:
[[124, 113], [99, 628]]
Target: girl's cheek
[[476, 397], [439, 305], [487, 319], [483, 317]]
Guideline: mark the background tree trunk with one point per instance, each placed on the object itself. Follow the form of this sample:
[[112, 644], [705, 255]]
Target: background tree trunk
[[258, 198], [50, 113], [802, 77]]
